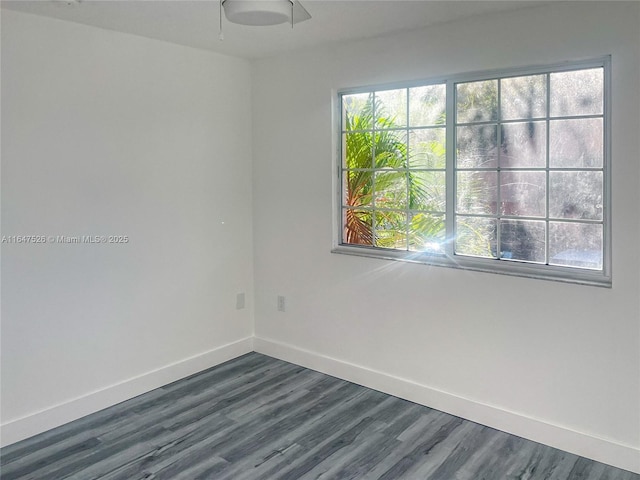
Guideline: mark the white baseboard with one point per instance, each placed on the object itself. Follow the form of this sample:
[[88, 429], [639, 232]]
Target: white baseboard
[[622, 456], [55, 416]]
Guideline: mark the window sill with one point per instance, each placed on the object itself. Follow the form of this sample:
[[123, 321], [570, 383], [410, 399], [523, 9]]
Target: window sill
[[594, 278]]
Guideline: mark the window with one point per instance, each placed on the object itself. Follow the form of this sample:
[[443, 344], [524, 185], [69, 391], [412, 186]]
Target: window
[[502, 172]]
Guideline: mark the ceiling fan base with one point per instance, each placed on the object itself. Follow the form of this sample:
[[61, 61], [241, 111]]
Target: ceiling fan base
[[258, 12]]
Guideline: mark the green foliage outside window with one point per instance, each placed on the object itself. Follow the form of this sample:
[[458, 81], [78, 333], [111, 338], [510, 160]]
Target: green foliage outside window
[[390, 203]]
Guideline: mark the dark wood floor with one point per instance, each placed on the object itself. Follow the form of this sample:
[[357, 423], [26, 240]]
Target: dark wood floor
[[256, 417]]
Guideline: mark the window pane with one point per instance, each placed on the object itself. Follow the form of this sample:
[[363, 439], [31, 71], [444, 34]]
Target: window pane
[[427, 233], [356, 111], [427, 191], [427, 148], [391, 190], [522, 240], [477, 101], [357, 150], [576, 143], [358, 188], [427, 105], [475, 236], [523, 97], [357, 227], [390, 149], [577, 93], [576, 195], [391, 108], [476, 146], [524, 145], [391, 230], [477, 192], [523, 193], [575, 245]]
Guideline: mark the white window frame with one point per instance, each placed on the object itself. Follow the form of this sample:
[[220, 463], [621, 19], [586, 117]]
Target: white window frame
[[449, 258]]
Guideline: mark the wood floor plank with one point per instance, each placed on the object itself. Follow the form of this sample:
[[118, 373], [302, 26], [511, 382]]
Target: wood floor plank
[[199, 434], [272, 461], [498, 462], [436, 463], [349, 463], [326, 447], [550, 463], [417, 454], [456, 457], [259, 418], [474, 465], [292, 428]]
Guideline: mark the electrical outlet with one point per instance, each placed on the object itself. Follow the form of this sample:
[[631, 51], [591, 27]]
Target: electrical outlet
[[240, 301], [281, 303]]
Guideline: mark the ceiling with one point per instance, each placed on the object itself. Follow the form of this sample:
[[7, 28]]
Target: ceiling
[[195, 23]]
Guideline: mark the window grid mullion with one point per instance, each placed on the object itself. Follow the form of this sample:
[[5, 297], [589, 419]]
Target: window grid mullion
[[413, 210], [547, 255], [499, 176], [373, 175], [450, 175], [407, 164], [606, 168], [529, 169], [340, 145], [401, 129], [528, 120]]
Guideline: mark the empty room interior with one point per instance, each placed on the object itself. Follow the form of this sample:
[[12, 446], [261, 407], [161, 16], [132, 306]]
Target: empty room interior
[[379, 239]]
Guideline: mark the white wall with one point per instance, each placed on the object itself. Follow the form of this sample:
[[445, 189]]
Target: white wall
[[553, 362], [105, 133]]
